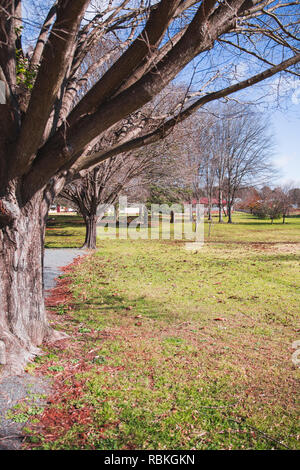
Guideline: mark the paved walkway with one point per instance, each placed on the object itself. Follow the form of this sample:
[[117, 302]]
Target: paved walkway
[[54, 259], [27, 387]]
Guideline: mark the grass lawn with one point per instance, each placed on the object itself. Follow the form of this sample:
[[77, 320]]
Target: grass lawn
[[170, 349], [64, 231]]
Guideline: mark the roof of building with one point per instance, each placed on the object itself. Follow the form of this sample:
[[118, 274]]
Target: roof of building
[[204, 200]]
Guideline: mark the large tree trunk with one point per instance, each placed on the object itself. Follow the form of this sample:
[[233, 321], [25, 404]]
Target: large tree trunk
[[209, 209], [172, 217], [91, 232], [229, 213], [220, 206], [23, 322]]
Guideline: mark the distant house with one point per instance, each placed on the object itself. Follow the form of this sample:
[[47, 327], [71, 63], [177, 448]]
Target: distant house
[[205, 202], [57, 208]]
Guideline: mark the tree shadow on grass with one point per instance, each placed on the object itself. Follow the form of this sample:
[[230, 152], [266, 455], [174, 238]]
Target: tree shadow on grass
[[64, 221], [120, 304], [65, 233]]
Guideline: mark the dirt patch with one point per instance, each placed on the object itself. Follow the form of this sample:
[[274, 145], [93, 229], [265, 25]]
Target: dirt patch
[[278, 247], [288, 248], [291, 248]]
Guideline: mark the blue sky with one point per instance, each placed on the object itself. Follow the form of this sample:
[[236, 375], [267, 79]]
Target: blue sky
[[286, 125], [278, 98]]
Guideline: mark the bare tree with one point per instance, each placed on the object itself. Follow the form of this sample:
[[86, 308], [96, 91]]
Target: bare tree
[[240, 147], [248, 149], [122, 174], [232, 149], [284, 197], [219, 135], [269, 204], [56, 107], [94, 188], [294, 194], [209, 173], [194, 139]]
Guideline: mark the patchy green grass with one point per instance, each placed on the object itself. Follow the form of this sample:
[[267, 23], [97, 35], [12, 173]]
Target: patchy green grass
[[177, 350], [248, 228], [64, 231], [68, 231]]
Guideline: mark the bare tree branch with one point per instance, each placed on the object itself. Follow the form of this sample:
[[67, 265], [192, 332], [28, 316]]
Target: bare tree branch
[[167, 126], [41, 41], [50, 76], [148, 40]]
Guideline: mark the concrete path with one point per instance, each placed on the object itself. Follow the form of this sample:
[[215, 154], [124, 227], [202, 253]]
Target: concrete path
[[54, 259], [25, 387], [13, 390]]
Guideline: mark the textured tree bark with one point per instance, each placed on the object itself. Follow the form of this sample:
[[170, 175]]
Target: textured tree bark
[[91, 232], [209, 211], [172, 217], [23, 322], [220, 206], [229, 213]]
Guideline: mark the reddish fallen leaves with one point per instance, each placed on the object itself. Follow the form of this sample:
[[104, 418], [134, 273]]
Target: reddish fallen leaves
[[61, 294], [61, 420], [61, 414]]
